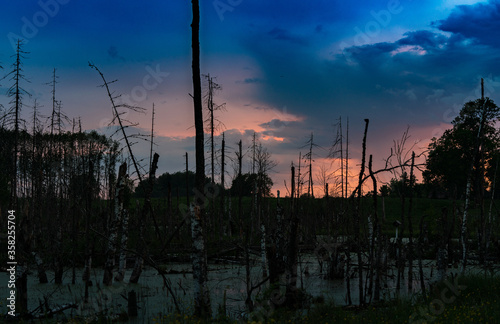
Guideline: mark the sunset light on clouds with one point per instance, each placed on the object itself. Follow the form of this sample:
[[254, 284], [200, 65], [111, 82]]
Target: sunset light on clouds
[[287, 69]]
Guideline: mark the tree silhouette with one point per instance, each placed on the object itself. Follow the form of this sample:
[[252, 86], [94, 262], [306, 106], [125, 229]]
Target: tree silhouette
[[449, 156], [202, 307]]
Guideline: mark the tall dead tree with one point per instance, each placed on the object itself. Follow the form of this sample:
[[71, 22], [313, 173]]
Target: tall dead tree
[[13, 117], [291, 293], [254, 149], [88, 250], [117, 117], [337, 151], [113, 225], [299, 179], [142, 247], [347, 158], [239, 155], [375, 244], [36, 193], [152, 138], [187, 179], [213, 124], [309, 157], [357, 224], [222, 184], [202, 306], [53, 117], [410, 225]]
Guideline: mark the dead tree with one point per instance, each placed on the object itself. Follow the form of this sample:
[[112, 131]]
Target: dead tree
[[357, 224], [347, 158], [239, 155], [122, 263], [291, 294], [113, 225], [88, 248], [299, 179], [202, 307], [336, 150], [213, 123], [420, 252], [146, 208], [375, 244], [13, 117], [410, 225], [463, 233], [117, 116], [223, 188]]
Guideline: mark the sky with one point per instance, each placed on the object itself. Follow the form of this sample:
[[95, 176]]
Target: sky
[[288, 69]]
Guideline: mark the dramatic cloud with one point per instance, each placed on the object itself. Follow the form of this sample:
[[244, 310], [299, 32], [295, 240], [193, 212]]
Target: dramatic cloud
[[287, 68], [479, 22]]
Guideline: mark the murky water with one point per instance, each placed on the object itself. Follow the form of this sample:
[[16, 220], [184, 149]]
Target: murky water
[[154, 298]]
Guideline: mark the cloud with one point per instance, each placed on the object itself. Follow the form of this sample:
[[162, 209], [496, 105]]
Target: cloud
[[480, 22], [248, 81], [274, 124], [426, 39]]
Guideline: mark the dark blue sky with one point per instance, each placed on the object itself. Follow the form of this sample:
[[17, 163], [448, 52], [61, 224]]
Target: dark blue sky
[[287, 68]]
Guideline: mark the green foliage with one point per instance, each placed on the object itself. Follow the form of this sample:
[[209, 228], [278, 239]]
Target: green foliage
[[176, 181], [246, 183], [450, 156]]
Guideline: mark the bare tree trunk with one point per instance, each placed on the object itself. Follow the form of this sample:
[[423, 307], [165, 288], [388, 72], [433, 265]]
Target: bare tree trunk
[[291, 261], [122, 265], [146, 208], [199, 257], [240, 194], [400, 261], [187, 180], [202, 306], [248, 280], [348, 273], [442, 257], [420, 249], [298, 176], [88, 249], [263, 249], [375, 243], [341, 162], [410, 226], [113, 226], [222, 194], [347, 159], [357, 230]]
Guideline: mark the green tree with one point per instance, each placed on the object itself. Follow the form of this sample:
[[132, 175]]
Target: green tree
[[245, 183], [176, 181], [451, 155]]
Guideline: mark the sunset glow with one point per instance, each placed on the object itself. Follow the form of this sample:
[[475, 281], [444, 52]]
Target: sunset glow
[[286, 69]]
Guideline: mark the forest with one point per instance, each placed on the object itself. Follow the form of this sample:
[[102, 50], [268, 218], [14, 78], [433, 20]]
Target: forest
[[98, 236]]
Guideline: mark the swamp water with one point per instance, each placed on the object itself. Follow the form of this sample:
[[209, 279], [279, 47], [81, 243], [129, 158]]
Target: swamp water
[[154, 299]]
